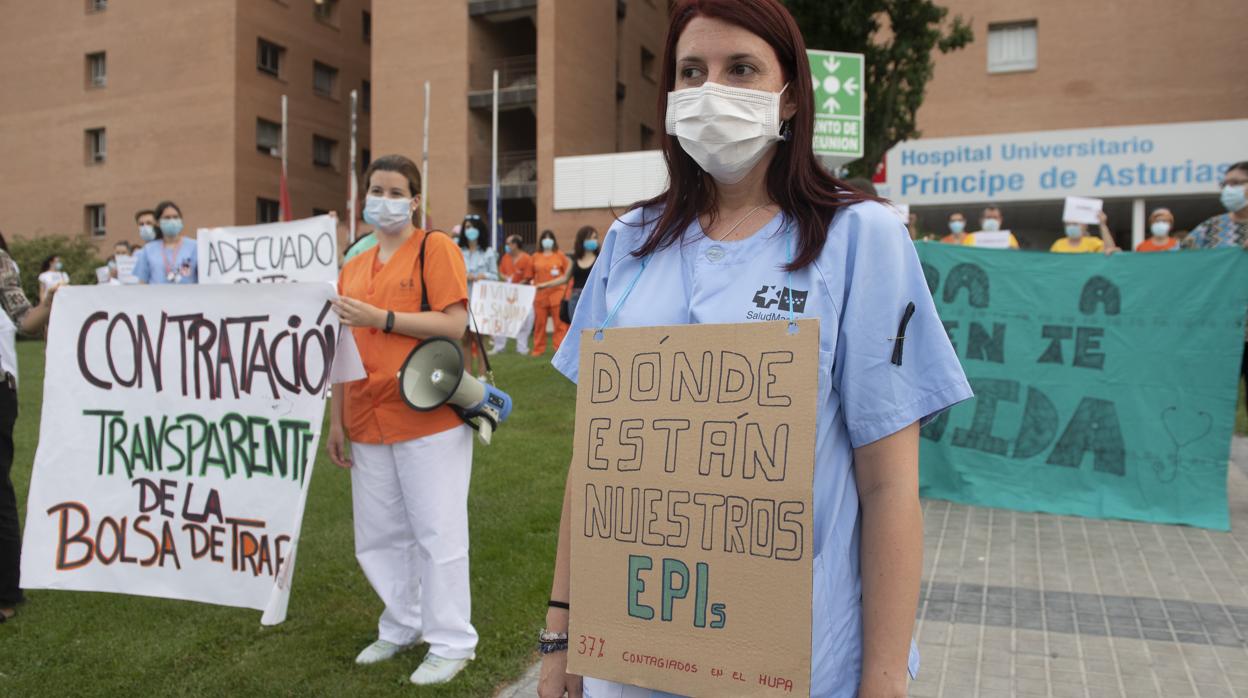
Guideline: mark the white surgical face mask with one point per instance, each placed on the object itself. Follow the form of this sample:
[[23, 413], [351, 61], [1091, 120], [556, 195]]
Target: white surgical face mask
[[991, 225], [147, 233], [956, 227], [390, 216], [1160, 229], [726, 130]]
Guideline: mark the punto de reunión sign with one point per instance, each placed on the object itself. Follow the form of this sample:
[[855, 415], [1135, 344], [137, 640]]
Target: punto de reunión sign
[[1131, 161]]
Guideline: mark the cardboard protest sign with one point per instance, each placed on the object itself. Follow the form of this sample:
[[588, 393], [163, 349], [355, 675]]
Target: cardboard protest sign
[[178, 435], [692, 529], [996, 240], [1092, 398], [305, 250], [500, 309], [1078, 209]]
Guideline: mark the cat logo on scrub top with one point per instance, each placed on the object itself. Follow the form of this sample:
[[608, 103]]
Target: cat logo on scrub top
[[778, 297]]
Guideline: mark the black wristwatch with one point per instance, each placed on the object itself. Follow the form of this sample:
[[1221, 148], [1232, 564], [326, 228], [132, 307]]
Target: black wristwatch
[[389, 322]]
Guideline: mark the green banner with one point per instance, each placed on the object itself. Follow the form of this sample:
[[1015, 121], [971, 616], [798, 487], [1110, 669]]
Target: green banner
[[1105, 386]]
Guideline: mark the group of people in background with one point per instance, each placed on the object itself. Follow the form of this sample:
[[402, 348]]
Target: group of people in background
[[1229, 229], [557, 277]]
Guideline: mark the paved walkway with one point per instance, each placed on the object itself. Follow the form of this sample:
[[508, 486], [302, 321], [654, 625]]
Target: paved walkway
[[1018, 604]]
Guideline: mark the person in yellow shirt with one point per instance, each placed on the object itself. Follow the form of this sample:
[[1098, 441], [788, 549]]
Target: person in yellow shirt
[[1077, 239], [990, 222]]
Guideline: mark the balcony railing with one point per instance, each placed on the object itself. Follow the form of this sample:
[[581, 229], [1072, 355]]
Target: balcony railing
[[504, 8], [517, 72]]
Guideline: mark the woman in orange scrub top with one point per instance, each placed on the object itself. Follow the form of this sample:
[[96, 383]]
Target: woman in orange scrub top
[[409, 470], [551, 270]]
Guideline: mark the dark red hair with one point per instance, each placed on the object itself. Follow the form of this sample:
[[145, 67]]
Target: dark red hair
[[796, 181]]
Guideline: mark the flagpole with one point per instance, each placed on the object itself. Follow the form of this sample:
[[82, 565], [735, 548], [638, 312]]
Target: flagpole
[[353, 186], [493, 207], [424, 169], [284, 214]]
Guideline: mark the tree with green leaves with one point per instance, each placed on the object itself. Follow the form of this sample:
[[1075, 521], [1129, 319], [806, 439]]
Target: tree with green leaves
[[898, 38]]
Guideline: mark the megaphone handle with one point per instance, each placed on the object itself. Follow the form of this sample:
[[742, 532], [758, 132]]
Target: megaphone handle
[[485, 430]]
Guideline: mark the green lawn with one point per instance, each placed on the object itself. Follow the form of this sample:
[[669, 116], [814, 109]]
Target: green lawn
[[74, 643]]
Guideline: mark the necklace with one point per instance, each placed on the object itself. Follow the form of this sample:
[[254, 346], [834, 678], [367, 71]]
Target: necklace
[[738, 224]]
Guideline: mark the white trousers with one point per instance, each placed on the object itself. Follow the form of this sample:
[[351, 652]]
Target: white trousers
[[522, 342], [411, 537]]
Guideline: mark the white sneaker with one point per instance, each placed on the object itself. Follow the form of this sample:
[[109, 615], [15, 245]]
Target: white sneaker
[[437, 669], [379, 651]]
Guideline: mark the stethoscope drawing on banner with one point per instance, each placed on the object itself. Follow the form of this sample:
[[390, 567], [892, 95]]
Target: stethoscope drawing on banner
[[1168, 474]]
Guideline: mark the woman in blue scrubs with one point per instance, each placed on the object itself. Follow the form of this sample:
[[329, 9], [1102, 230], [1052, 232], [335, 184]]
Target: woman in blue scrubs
[[753, 229]]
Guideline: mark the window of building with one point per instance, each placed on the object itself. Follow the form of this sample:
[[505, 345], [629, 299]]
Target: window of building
[[324, 79], [366, 96], [647, 64], [97, 5], [95, 220], [268, 210], [368, 27], [269, 58], [647, 138], [268, 137], [324, 151], [97, 146], [97, 69], [366, 159], [326, 11], [1012, 47]]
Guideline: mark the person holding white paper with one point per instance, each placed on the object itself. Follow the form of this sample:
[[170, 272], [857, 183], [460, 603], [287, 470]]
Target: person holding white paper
[[410, 470], [990, 222], [1077, 240], [748, 207]]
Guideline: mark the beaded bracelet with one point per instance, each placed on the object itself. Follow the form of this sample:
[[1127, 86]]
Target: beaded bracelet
[[549, 643]]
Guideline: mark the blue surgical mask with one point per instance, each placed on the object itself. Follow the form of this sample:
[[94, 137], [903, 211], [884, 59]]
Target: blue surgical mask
[[390, 216], [507, 249], [58, 265], [548, 244], [171, 226], [1234, 198], [991, 225], [1160, 229], [591, 245], [956, 227], [147, 233], [472, 234], [1074, 230]]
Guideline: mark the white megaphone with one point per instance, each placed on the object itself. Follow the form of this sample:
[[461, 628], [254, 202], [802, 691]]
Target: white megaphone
[[433, 375]]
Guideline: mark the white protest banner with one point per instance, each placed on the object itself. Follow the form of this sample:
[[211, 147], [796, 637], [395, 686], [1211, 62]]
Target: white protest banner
[[996, 240], [1078, 209], [304, 250], [692, 527], [193, 418], [125, 268], [500, 309]]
